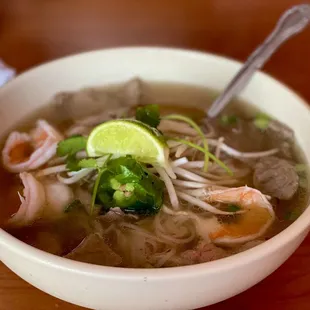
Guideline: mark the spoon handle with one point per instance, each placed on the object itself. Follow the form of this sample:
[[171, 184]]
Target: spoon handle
[[290, 23]]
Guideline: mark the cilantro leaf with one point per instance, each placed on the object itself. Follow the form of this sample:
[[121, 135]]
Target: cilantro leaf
[[88, 163], [127, 184], [149, 115], [72, 163], [71, 146]]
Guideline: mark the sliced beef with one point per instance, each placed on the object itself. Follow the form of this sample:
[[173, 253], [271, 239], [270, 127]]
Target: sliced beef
[[275, 177], [280, 131], [204, 252], [94, 250], [281, 137], [109, 102]]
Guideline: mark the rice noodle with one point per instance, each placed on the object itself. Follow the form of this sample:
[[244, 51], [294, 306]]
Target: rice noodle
[[235, 153], [169, 171], [177, 127], [218, 147], [76, 177], [189, 175], [189, 184], [179, 162], [198, 192], [211, 131], [56, 161], [203, 205], [170, 188], [193, 164], [172, 143], [180, 150], [165, 257]]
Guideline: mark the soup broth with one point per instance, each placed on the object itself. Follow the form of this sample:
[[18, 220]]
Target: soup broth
[[254, 185]]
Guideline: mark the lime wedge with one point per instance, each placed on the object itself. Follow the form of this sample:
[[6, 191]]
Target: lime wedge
[[128, 137]]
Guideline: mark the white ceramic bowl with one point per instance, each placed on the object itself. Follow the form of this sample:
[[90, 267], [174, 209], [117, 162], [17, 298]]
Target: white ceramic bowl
[[171, 288]]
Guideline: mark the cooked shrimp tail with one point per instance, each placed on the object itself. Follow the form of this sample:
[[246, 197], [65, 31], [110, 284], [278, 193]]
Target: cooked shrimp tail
[[246, 226], [25, 152]]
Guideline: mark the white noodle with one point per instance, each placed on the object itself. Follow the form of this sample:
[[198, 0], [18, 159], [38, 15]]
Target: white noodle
[[170, 188], [234, 153], [165, 257], [56, 161], [203, 205], [189, 175], [218, 148], [211, 131], [172, 143], [177, 127], [172, 212], [193, 164], [194, 192], [181, 149], [76, 177], [179, 162], [169, 171], [51, 170], [189, 184]]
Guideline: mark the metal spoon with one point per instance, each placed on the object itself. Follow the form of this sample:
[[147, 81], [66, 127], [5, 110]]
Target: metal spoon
[[290, 23]]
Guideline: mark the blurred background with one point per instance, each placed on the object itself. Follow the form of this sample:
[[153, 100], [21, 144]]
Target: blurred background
[[35, 31]]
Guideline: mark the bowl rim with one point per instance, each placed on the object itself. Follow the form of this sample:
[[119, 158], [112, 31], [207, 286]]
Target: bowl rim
[[296, 228]]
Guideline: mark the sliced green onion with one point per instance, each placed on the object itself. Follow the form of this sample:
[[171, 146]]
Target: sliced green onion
[[214, 158], [199, 131]]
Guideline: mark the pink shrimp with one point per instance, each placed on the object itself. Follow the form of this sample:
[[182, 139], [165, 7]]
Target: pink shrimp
[[32, 201], [24, 152], [46, 200], [247, 226]]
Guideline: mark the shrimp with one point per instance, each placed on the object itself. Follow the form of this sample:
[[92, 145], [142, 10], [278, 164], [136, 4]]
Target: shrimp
[[32, 201], [46, 200], [24, 152], [247, 226]]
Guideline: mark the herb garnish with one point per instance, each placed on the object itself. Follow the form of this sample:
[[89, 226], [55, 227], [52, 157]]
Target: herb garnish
[[262, 121], [227, 120], [189, 121], [149, 115], [127, 184], [69, 147]]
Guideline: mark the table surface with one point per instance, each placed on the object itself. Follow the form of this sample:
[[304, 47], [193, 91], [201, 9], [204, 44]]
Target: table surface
[[35, 31]]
